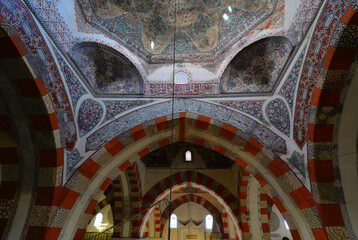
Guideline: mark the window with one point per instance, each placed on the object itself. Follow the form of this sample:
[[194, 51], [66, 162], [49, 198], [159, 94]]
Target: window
[[286, 225], [98, 220], [181, 78], [188, 156], [173, 221], [209, 222]]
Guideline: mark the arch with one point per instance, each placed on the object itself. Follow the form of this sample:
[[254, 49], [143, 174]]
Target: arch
[[319, 55], [192, 177], [326, 106], [202, 182], [100, 205], [124, 149], [207, 114], [34, 166], [196, 199], [32, 47], [98, 220], [221, 193]]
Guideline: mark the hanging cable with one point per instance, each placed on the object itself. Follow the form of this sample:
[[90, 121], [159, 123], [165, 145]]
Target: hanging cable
[[172, 136]]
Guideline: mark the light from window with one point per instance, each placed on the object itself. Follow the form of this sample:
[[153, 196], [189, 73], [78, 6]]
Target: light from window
[[181, 78], [173, 221], [188, 157], [152, 44], [225, 16], [209, 222], [286, 225], [98, 220]]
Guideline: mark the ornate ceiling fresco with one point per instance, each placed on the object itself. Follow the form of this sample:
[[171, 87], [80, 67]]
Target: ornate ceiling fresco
[[241, 60], [107, 71], [204, 28], [256, 68], [245, 86]]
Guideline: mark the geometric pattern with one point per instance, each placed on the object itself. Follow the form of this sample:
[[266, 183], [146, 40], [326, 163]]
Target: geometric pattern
[[200, 25], [313, 66], [5, 208], [257, 67], [130, 25], [253, 108], [289, 86], [53, 21], [298, 160], [235, 18], [72, 158], [18, 15], [279, 116], [89, 114], [73, 84], [107, 71], [114, 108], [217, 112], [81, 23], [183, 43]]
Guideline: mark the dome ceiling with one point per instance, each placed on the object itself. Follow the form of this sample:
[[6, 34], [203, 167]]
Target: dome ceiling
[[257, 68], [107, 71], [204, 28]]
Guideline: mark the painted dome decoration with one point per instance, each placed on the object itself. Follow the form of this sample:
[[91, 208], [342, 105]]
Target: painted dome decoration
[[89, 115], [107, 71], [257, 68], [204, 28]]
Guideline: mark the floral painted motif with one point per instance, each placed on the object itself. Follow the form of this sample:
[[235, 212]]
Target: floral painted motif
[[298, 160], [278, 114], [73, 84], [116, 107], [257, 68], [89, 115], [183, 43], [130, 25], [253, 108], [212, 3], [72, 158], [144, 6], [199, 24], [289, 87], [49, 13], [202, 23], [157, 27], [17, 15], [107, 71], [235, 18]]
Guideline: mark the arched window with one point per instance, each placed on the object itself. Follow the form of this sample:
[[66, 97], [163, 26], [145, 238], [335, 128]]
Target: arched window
[[209, 221], [173, 221], [286, 225], [98, 220], [188, 156]]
